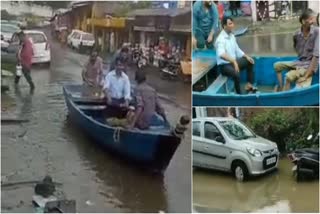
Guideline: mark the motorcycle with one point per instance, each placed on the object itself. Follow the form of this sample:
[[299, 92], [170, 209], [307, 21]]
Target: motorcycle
[[171, 68], [306, 161]]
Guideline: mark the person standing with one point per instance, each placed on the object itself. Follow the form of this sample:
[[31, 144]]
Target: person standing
[[24, 56], [92, 75], [205, 24]]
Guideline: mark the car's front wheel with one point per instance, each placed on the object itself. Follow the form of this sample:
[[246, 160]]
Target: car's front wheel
[[240, 171]]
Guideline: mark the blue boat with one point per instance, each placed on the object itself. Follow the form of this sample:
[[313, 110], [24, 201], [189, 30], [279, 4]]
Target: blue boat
[[221, 91], [149, 149]]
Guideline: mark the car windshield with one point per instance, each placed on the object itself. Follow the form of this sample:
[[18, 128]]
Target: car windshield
[[87, 36], [9, 28], [37, 37], [236, 130]]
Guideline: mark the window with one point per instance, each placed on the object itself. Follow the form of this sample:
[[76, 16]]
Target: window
[[236, 130], [211, 131], [9, 28], [76, 35], [87, 36], [37, 38], [196, 129]]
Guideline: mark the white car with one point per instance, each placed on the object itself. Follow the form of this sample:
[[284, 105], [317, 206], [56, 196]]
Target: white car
[[7, 30], [227, 144], [41, 46], [80, 40]]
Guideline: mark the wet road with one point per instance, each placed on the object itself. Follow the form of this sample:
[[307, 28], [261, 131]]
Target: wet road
[[276, 192], [97, 180]]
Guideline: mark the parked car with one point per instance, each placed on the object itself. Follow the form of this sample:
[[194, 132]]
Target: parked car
[[7, 31], [80, 40], [227, 144], [41, 47]]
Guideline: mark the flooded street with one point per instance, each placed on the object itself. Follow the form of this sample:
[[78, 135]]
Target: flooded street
[[275, 192], [50, 144], [274, 44]]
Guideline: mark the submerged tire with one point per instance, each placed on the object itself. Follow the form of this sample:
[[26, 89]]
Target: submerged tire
[[240, 171]]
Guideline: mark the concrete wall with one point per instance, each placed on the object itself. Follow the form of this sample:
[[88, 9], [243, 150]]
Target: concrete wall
[[21, 8]]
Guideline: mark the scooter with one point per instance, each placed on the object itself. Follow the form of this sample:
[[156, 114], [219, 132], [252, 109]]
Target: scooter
[[306, 161]]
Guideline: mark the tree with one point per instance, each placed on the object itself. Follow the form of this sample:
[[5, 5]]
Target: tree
[[6, 16]]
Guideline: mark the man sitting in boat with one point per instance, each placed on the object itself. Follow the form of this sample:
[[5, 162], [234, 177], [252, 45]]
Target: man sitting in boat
[[148, 107], [205, 24], [231, 59], [93, 73], [306, 44], [117, 90]]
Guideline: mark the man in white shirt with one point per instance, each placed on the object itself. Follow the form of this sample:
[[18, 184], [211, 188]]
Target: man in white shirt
[[231, 59], [117, 87]]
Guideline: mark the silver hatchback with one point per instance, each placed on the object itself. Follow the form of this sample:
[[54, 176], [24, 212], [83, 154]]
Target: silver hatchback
[[227, 144]]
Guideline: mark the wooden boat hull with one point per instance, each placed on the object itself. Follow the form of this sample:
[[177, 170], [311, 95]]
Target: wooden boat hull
[[147, 149]]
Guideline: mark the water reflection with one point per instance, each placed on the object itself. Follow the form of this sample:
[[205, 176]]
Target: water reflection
[[276, 192], [121, 184], [270, 44]]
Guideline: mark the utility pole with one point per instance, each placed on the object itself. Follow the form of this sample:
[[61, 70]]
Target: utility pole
[[254, 11]]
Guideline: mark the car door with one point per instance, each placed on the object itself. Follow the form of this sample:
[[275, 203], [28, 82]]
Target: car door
[[78, 40], [214, 146], [70, 37], [197, 157]]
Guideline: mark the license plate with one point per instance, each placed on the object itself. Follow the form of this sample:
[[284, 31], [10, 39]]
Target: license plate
[[271, 160]]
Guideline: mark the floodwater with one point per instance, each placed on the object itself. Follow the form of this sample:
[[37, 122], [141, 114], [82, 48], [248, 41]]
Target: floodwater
[[275, 44], [215, 191], [50, 144]]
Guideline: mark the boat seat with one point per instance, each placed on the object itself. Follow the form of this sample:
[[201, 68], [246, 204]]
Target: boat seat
[[222, 84], [92, 107]]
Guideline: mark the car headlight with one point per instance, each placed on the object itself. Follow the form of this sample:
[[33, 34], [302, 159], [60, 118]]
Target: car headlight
[[254, 152]]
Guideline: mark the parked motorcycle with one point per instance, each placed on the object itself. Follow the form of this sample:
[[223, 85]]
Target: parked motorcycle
[[306, 161]]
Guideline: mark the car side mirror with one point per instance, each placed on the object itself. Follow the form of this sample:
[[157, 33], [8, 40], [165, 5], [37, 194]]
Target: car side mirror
[[2, 38], [220, 139]]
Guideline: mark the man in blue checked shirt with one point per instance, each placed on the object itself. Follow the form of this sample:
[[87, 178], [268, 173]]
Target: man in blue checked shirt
[[231, 59], [205, 23]]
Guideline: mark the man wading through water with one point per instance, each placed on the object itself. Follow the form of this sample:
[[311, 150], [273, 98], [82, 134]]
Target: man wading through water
[[25, 59]]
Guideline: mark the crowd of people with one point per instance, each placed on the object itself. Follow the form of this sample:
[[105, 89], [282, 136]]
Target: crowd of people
[[231, 59]]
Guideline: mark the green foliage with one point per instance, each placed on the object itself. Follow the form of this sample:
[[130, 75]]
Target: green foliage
[[7, 16], [288, 128]]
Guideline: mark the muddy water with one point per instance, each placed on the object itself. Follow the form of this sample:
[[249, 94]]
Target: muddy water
[[280, 44], [276, 192], [96, 179]]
